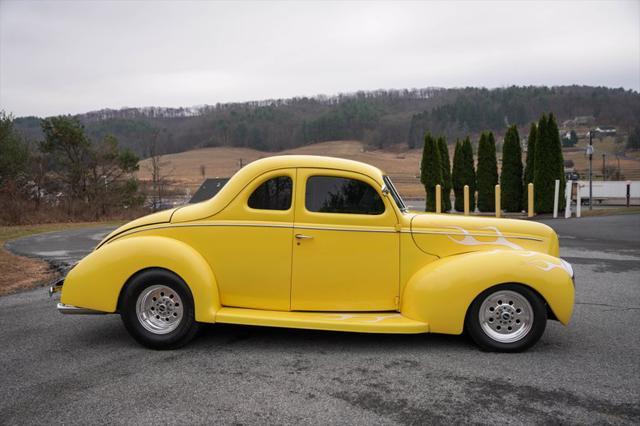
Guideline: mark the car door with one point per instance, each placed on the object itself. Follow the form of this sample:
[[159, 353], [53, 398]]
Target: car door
[[248, 244], [346, 247]]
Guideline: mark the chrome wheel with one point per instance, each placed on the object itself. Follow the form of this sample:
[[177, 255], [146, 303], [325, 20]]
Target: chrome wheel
[[506, 316], [159, 309]]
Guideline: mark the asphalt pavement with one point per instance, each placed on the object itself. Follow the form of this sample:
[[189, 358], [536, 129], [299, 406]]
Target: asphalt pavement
[[87, 370], [60, 247]]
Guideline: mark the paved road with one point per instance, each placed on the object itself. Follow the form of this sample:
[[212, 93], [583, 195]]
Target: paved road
[[60, 247], [81, 370]]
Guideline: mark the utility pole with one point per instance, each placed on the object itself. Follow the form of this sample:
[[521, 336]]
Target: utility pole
[[590, 154], [604, 169]]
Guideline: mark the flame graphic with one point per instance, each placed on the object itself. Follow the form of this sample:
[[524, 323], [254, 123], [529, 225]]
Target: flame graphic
[[470, 240]]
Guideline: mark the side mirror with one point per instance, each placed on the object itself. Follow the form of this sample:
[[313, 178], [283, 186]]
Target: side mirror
[[385, 190]]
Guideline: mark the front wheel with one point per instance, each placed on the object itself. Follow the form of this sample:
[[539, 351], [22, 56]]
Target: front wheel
[[506, 318], [157, 310]]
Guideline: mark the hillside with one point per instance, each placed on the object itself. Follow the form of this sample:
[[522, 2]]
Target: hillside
[[185, 169], [381, 119]]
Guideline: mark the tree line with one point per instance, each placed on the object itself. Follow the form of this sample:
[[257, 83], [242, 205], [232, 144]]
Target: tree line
[[542, 166], [65, 175], [379, 118]]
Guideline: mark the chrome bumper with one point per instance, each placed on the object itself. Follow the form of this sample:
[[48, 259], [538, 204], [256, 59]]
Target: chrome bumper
[[56, 287], [74, 310]]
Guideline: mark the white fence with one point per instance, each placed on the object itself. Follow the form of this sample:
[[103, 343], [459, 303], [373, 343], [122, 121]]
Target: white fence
[[616, 189]]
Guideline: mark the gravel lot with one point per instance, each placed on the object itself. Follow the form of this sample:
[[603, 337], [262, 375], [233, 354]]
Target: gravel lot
[[86, 370]]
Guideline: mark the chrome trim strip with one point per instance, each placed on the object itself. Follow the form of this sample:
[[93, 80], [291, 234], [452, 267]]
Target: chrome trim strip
[[318, 228], [518, 237], [74, 310], [250, 225], [328, 228]]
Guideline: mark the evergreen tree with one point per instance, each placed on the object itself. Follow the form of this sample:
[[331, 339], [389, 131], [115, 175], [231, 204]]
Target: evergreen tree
[[511, 174], [487, 172], [446, 174], [457, 177], [430, 170], [469, 172], [530, 163], [634, 139], [558, 157], [549, 165]]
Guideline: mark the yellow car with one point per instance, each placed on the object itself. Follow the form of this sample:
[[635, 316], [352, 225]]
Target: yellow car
[[327, 244]]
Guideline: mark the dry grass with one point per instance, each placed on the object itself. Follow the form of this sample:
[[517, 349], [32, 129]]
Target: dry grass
[[20, 273], [224, 162], [629, 161], [402, 166]]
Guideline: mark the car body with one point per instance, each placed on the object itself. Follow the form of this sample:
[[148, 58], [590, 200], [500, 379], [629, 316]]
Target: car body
[[322, 243]]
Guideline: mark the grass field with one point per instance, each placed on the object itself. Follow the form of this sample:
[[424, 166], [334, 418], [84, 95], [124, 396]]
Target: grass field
[[629, 163], [402, 166], [225, 161]]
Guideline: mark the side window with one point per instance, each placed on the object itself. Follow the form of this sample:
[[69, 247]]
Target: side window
[[274, 194], [331, 194]]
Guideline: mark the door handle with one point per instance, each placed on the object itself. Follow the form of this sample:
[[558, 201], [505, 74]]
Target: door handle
[[303, 237]]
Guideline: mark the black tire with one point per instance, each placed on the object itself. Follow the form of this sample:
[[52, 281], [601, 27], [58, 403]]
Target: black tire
[[530, 333], [186, 327]]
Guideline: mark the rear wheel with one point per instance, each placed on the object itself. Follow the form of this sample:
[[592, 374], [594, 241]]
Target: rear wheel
[[506, 318], [157, 310]]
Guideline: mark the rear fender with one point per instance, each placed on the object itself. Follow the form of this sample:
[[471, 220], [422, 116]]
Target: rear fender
[[441, 292], [95, 283]]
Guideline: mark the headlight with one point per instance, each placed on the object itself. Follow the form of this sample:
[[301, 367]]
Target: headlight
[[567, 267]]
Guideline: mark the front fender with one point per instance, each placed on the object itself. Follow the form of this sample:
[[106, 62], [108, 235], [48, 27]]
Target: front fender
[[95, 283], [441, 292]]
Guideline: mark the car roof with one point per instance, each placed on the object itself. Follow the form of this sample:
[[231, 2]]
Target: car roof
[[313, 161]]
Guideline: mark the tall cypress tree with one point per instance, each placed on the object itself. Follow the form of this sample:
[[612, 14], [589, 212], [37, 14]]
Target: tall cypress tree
[[511, 175], [530, 163], [558, 157], [446, 173], [549, 164], [469, 171], [487, 172], [430, 170], [457, 177]]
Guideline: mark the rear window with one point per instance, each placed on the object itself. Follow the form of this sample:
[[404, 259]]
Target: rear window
[[274, 194]]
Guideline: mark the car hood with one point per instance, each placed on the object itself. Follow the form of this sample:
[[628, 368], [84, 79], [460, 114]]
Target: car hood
[[446, 235], [151, 219]]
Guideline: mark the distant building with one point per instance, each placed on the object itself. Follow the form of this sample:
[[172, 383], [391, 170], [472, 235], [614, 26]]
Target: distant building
[[579, 121], [208, 189], [606, 130]]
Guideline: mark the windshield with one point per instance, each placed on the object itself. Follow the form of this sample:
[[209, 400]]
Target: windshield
[[394, 194]]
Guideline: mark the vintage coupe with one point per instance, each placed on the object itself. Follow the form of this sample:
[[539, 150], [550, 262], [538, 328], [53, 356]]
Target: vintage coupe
[[328, 244]]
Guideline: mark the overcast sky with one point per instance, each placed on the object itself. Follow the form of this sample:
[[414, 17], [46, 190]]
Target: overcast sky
[[75, 56]]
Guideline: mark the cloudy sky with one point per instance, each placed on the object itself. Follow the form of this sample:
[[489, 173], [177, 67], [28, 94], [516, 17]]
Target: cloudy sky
[[74, 56]]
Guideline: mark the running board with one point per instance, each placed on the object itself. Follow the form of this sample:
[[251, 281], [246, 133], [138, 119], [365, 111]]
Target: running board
[[362, 322]]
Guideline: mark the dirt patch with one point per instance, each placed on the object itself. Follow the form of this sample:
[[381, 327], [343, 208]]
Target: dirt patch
[[20, 273]]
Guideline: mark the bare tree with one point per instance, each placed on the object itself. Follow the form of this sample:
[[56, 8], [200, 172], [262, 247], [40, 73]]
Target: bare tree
[[160, 174]]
